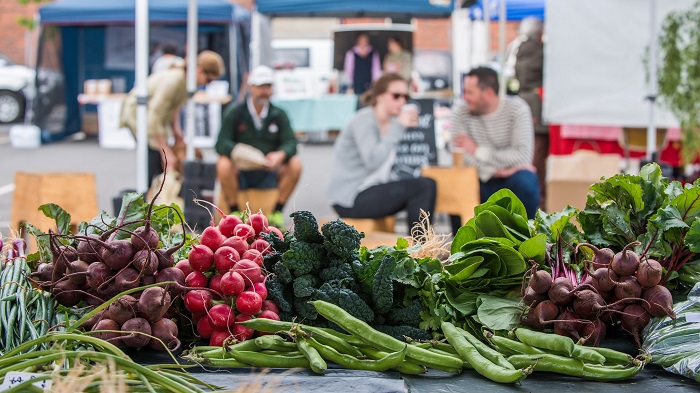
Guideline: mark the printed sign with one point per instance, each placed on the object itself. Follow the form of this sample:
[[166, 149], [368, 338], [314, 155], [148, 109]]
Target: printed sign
[[417, 147], [14, 378]]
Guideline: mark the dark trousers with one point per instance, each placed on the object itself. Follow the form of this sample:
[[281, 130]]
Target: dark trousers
[[540, 163], [390, 198], [524, 185], [155, 165]]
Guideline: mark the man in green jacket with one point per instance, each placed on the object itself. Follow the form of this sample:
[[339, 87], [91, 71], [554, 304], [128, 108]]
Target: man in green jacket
[[265, 127]]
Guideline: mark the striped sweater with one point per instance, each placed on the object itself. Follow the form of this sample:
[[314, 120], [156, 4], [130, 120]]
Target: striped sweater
[[504, 138]]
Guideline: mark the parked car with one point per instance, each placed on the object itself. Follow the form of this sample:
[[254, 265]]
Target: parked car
[[16, 86]]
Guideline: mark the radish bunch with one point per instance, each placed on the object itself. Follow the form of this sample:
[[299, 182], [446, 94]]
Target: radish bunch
[[615, 287], [227, 268]]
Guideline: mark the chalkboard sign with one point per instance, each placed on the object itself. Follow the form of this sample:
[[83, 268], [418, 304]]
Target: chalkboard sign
[[417, 147]]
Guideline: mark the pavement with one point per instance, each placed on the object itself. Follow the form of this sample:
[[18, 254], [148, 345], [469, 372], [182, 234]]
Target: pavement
[[115, 170]]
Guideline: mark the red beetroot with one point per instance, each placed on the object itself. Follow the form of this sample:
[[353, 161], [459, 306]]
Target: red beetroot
[[568, 324], [237, 243], [260, 289], [219, 338], [204, 328], [212, 238], [258, 222], [164, 330], [602, 257], [245, 231], [154, 303], [198, 301], [560, 291], [172, 274], [595, 332], [113, 336], [248, 303], [201, 257], [253, 255], [649, 273], [145, 238], [603, 279], [659, 302], [540, 281], [232, 283], [628, 287], [634, 318], [542, 314], [145, 261], [138, 331], [196, 280], [625, 262], [587, 304], [250, 271], [224, 258], [228, 223], [184, 265], [221, 316], [531, 298], [270, 305]]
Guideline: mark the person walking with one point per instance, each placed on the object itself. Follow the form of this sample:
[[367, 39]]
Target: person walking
[[361, 184]]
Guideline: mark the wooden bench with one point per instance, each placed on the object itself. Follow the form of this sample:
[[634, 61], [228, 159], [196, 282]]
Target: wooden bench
[[264, 199], [457, 190]]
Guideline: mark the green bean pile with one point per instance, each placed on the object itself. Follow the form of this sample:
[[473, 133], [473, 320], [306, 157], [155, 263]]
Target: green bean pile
[[26, 313], [296, 345]]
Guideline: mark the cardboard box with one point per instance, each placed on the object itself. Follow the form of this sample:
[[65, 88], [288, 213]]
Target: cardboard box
[[570, 176]]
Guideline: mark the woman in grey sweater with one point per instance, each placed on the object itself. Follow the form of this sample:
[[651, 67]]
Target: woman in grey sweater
[[362, 185]]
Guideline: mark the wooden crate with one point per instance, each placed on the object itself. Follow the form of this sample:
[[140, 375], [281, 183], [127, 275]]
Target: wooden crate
[[264, 199], [457, 190], [74, 192]]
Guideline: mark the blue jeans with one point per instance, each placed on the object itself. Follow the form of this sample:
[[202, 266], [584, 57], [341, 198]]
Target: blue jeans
[[524, 185]]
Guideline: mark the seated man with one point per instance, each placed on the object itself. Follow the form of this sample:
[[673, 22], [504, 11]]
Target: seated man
[[496, 135], [258, 123]]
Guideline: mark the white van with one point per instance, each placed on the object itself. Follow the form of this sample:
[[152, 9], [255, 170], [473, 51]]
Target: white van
[[304, 67]]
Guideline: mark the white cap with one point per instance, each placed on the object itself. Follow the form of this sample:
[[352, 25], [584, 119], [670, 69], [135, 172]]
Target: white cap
[[261, 75]]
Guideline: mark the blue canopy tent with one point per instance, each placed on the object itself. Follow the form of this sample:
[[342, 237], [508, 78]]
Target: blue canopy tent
[[368, 8], [515, 9], [84, 39]]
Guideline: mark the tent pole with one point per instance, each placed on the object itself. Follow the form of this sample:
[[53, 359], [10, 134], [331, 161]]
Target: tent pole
[[486, 5], [141, 79], [191, 76], [502, 46], [651, 128]]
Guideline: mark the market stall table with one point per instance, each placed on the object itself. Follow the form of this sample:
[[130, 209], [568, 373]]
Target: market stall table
[[318, 114]]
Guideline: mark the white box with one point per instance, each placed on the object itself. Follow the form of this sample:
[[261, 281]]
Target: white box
[[25, 136], [110, 135]]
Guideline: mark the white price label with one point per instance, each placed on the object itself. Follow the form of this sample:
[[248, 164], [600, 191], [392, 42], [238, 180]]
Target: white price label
[[692, 317], [14, 378]]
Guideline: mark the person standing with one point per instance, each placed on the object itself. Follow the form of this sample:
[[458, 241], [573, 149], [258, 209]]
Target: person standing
[[258, 127], [496, 135], [167, 93], [528, 66], [361, 184], [168, 59], [361, 65], [398, 59]]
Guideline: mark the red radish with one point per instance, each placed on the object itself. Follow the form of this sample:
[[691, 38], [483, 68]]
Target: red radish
[[602, 257], [634, 318], [224, 258], [201, 258], [238, 243], [603, 279], [253, 255], [659, 302], [215, 283], [242, 333], [261, 245], [248, 303], [232, 283], [164, 330], [649, 273], [204, 328], [625, 262], [197, 316], [219, 338], [212, 238], [249, 270], [196, 280], [628, 287], [145, 238], [258, 222], [228, 223], [540, 281], [184, 265], [270, 305], [568, 324], [595, 332], [560, 292], [138, 330], [268, 314], [245, 231], [154, 303], [198, 301], [276, 231], [260, 289], [221, 316]]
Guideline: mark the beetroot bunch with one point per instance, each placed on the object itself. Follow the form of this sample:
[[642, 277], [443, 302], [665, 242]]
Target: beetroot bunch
[[616, 287], [226, 267]]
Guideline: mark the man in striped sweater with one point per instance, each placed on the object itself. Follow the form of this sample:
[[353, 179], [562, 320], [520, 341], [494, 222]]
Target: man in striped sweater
[[496, 135]]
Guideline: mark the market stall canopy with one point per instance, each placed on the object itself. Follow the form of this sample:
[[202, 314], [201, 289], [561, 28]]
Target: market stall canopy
[[366, 8], [91, 12], [515, 9]]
